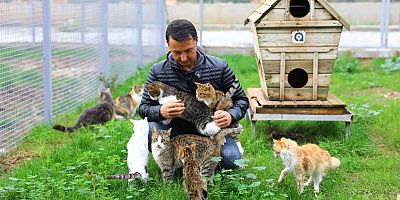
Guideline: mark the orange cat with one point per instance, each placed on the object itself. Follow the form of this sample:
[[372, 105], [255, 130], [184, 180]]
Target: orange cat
[[308, 158]]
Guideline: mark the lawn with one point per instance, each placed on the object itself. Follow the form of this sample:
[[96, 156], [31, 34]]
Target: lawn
[[56, 165]]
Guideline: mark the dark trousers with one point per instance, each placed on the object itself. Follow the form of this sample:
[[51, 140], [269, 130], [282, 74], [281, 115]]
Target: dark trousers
[[229, 153]]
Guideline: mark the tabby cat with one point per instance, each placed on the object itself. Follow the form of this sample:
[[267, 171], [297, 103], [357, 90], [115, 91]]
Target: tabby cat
[[218, 100], [196, 112], [126, 105], [213, 98], [165, 150], [195, 187], [99, 114], [308, 158]]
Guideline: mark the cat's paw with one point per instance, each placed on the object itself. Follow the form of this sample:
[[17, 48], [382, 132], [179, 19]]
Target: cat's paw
[[211, 129]]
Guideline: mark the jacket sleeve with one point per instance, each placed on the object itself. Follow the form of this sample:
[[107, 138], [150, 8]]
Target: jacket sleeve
[[239, 98], [148, 107]]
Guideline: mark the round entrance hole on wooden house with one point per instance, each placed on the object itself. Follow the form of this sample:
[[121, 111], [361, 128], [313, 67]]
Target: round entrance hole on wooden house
[[299, 8], [297, 78]]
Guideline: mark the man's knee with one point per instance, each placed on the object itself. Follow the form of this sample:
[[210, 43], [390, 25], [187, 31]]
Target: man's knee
[[229, 153]]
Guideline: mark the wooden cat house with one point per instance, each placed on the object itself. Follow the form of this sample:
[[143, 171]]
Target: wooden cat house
[[296, 43]]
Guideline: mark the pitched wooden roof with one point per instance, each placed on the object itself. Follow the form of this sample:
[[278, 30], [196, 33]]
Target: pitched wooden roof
[[268, 5]]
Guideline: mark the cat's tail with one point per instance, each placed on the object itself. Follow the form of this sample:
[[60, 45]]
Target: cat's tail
[[232, 90], [220, 136], [61, 128], [135, 175], [334, 163]]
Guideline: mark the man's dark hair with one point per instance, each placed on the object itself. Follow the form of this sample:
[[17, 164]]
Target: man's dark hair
[[181, 30]]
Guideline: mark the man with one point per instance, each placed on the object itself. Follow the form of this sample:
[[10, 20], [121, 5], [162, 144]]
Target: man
[[185, 65]]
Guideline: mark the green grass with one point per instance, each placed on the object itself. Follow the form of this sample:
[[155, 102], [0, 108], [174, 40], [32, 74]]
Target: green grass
[[74, 166]]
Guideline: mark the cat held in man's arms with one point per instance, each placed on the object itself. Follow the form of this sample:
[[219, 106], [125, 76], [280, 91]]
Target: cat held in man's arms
[[126, 105], [299, 160], [98, 114], [138, 152], [196, 112]]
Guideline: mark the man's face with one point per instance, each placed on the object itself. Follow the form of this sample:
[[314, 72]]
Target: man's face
[[184, 52]]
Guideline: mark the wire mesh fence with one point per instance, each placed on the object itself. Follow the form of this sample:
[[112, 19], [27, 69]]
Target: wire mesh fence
[[52, 52]]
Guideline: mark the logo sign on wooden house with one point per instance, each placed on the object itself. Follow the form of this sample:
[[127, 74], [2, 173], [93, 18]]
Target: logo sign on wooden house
[[296, 43]]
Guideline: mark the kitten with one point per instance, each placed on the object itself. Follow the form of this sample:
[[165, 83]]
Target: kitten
[[127, 104], [195, 111], [308, 158], [195, 187], [217, 100], [165, 150], [137, 152], [99, 114]]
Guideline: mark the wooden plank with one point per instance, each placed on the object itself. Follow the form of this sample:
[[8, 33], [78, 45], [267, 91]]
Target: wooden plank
[[310, 111], [282, 4], [273, 80], [273, 67], [315, 81], [282, 77], [297, 93], [312, 10], [333, 12], [289, 30], [263, 8], [313, 39], [300, 49], [274, 24], [254, 16], [335, 101], [286, 14], [267, 55]]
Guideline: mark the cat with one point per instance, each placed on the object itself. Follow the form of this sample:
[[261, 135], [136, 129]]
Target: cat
[[213, 98], [217, 100], [165, 150], [126, 105], [195, 187], [308, 158], [137, 152], [196, 112], [99, 114]]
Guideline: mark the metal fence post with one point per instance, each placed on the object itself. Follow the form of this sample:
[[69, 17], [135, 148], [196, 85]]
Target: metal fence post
[[385, 17], [139, 24], [105, 51], [82, 21], [201, 21], [48, 113], [33, 22], [161, 17]]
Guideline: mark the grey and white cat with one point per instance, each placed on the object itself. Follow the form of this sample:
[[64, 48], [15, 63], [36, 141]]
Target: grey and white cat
[[165, 150], [196, 112], [195, 186]]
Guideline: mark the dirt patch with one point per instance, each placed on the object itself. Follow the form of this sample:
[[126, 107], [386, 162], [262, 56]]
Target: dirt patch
[[381, 92], [10, 161]]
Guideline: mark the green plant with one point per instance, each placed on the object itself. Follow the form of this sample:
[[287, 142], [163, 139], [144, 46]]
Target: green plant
[[346, 64], [389, 66]]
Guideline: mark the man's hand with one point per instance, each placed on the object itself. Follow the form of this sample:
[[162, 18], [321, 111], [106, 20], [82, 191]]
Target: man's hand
[[172, 109], [222, 118]]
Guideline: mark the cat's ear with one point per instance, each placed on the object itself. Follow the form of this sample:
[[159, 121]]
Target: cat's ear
[[274, 141], [192, 146], [181, 151], [153, 130], [169, 130], [198, 84]]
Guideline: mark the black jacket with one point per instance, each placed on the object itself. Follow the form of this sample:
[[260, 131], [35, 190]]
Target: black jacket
[[208, 69]]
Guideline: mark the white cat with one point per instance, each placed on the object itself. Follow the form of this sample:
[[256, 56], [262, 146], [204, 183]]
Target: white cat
[[138, 148]]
